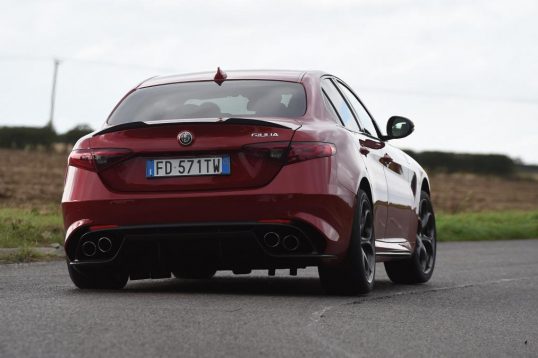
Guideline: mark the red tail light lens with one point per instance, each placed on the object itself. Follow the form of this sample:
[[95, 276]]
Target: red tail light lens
[[300, 151], [271, 150], [97, 159], [291, 152], [81, 158]]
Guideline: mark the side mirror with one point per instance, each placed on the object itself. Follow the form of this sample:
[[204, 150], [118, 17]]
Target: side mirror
[[399, 127]]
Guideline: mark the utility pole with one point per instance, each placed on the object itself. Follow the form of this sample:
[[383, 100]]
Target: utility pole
[[53, 93]]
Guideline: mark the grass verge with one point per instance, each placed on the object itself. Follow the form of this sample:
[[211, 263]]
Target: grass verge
[[504, 225], [22, 254], [30, 227]]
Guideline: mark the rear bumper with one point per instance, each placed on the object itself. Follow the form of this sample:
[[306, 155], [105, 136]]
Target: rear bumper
[[317, 203], [156, 250]]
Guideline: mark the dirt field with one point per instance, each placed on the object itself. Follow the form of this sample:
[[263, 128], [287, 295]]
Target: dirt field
[[31, 178], [35, 179], [454, 193]]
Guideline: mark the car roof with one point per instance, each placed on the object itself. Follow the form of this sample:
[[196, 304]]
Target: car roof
[[281, 75]]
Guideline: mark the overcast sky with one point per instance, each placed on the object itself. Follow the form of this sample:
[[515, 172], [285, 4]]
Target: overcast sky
[[466, 72]]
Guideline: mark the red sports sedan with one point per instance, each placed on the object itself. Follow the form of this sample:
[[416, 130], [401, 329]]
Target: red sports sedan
[[270, 170]]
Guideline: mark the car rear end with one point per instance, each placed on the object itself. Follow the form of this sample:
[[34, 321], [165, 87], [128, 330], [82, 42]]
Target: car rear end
[[204, 174]]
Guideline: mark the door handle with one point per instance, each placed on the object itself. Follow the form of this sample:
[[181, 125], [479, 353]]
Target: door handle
[[364, 151]]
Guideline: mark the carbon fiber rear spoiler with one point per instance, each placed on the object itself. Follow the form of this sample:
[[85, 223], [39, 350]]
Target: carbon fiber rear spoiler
[[269, 122]]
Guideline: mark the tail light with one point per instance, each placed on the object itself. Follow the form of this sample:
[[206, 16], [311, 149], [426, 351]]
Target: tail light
[[300, 151], [271, 150], [97, 159], [291, 152]]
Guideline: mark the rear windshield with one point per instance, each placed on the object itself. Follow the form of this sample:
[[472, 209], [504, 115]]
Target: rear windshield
[[234, 98]]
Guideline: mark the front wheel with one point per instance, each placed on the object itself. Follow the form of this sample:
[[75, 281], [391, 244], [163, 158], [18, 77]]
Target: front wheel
[[355, 275], [418, 268]]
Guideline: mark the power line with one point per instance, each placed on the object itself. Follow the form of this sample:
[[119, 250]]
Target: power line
[[117, 64], [403, 92], [10, 58]]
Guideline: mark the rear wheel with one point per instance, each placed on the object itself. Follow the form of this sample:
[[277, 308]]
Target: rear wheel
[[419, 268], [356, 273], [98, 279], [195, 273]]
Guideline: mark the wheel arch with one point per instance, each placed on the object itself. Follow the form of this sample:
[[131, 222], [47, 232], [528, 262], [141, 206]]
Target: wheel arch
[[364, 185]]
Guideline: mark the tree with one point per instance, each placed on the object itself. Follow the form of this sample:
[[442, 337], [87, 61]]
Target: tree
[[74, 134]]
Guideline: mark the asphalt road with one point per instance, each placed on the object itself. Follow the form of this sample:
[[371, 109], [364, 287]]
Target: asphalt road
[[482, 301]]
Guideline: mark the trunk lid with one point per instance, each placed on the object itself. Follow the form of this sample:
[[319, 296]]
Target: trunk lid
[[251, 164]]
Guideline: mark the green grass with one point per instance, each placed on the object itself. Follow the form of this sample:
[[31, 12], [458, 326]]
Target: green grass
[[23, 254], [30, 227], [502, 225], [27, 228]]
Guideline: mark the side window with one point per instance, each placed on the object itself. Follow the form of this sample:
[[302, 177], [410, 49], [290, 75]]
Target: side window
[[330, 107], [364, 117], [343, 110]]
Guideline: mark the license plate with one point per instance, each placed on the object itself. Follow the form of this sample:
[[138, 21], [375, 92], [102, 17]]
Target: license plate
[[199, 166]]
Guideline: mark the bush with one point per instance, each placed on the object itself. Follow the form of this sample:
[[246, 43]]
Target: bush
[[26, 137], [36, 137], [72, 135], [496, 164]]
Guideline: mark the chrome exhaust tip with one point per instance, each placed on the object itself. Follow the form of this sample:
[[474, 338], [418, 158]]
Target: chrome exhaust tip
[[271, 239], [104, 244], [89, 249], [290, 243]]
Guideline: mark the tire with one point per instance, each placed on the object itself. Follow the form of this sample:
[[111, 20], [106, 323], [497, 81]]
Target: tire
[[356, 273], [98, 279], [195, 273], [418, 268]]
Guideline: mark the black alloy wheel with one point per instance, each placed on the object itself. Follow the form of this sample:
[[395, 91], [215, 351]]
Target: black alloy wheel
[[418, 268], [356, 273]]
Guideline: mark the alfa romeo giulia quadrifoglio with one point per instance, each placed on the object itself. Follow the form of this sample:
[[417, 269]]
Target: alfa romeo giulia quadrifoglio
[[246, 170]]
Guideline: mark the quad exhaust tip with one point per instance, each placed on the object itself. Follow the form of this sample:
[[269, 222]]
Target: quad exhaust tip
[[89, 249], [290, 243], [104, 244], [271, 239]]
